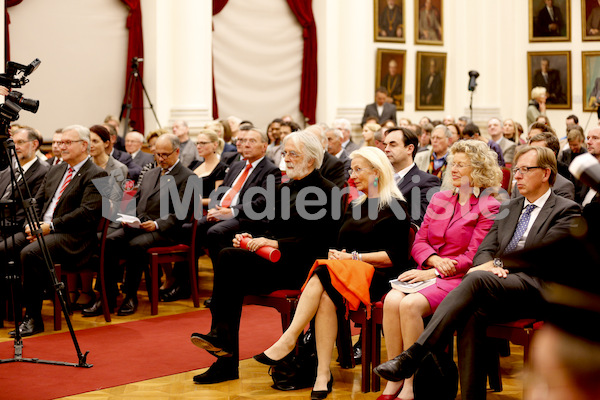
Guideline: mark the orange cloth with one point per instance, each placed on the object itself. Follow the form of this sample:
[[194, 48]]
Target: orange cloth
[[351, 278]]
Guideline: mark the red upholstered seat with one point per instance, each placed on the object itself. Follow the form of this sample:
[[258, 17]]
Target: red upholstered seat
[[284, 301]]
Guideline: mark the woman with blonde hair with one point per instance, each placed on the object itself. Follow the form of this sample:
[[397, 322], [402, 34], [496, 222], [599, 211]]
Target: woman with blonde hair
[[456, 222], [211, 170], [369, 133], [372, 244]]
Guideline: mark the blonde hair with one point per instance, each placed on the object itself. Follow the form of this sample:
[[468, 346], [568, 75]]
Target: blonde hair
[[386, 186], [213, 137], [537, 92], [486, 173]]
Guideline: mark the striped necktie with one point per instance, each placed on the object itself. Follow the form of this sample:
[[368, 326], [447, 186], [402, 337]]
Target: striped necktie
[[64, 186]]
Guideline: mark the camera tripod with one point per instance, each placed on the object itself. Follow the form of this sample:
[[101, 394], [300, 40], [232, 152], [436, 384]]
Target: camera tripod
[[134, 77], [13, 269]]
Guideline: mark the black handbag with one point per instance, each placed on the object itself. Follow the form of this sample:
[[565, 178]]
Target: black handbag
[[436, 378], [299, 371]]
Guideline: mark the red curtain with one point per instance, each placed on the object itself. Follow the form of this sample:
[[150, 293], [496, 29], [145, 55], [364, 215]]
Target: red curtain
[[302, 9], [218, 6], [8, 3], [135, 48]]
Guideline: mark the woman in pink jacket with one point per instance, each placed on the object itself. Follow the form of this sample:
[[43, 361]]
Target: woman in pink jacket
[[455, 224]]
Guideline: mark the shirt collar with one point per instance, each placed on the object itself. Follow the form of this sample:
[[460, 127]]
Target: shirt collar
[[172, 166], [402, 173], [28, 165], [540, 201]]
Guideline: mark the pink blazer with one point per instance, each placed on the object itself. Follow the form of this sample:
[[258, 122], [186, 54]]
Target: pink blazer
[[454, 236]]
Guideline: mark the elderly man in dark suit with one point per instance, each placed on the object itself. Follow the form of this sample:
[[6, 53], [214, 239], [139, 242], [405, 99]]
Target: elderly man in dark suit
[[122, 156], [133, 144], [494, 290], [300, 239], [550, 79], [381, 109], [400, 147], [550, 21], [154, 230], [70, 208]]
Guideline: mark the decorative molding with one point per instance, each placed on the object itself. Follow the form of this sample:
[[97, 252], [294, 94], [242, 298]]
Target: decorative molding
[[195, 117]]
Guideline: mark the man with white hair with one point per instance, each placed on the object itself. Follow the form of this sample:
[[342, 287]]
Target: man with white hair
[[435, 160], [240, 272], [69, 206], [334, 146], [346, 127], [332, 168], [133, 145], [187, 150]]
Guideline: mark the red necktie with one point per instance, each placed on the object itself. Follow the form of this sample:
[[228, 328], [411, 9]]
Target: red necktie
[[226, 202], [64, 186]]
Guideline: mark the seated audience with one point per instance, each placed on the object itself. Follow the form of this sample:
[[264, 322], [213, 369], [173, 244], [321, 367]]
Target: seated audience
[[381, 109], [187, 150], [506, 146], [117, 140], [222, 129], [461, 122], [455, 134], [299, 247], [425, 137], [132, 168], [381, 244], [99, 142], [509, 130], [443, 249], [495, 290], [331, 169], [537, 104], [133, 144], [231, 157], [471, 131], [434, 161], [69, 207], [401, 147], [334, 146], [576, 141], [275, 145], [368, 133], [55, 159], [346, 128], [151, 139]]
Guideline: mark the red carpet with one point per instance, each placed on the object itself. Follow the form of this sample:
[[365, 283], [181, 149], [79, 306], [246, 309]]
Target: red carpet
[[125, 353]]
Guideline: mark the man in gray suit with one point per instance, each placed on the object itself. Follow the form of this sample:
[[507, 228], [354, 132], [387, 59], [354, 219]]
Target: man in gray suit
[[495, 290], [346, 127], [187, 149], [381, 109], [133, 145], [507, 146]]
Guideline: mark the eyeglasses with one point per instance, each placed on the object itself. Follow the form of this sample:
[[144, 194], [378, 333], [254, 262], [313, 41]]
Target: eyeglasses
[[357, 170], [292, 154], [67, 143], [202, 143], [164, 156], [251, 141], [523, 170], [458, 165], [22, 142]]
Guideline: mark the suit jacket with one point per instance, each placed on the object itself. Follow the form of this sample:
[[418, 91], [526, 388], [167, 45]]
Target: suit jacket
[[118, 167], [422, 160], [230, 157], [350, 147], [188, 153], [334, 170], [553, 85], [124, 157], [258, 177], [142, 158], [389, 112], [436, 90], [544, 19], [449, 235], [78, 211], [424, 182], [508, 148], [33, 177], [345, 160], [148, 196], [553, 222], [50, 161], [562, 187]]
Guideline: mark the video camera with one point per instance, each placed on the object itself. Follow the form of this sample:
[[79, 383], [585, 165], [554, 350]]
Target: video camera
[[9, 79]]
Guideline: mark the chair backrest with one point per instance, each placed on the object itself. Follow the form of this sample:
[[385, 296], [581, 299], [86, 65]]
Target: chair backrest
[[103, 231], [506, 179]]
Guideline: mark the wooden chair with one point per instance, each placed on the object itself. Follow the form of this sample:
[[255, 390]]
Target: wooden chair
[[102, 230], [170, 254], [506, 179], [284, 301]]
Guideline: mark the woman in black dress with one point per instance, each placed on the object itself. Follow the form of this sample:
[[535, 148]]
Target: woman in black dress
[[374, 230], [211, 170]]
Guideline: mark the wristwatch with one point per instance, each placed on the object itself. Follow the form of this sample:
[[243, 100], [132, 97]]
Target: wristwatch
[[498, 263]]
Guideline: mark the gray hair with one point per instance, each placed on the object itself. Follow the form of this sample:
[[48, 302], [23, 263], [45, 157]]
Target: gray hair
[[337, 132], [443, 127], [309, 143], [82, 131], [343, 124], [172, 138], [263, 136]]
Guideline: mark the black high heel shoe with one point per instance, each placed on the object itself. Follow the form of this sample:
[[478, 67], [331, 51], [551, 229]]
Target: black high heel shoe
[[322, 394], [264, 359]]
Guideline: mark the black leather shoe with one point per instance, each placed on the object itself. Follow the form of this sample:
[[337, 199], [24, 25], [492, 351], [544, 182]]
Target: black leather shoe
[[218, 372], [128, 307], [399, 368], [95, 310], [322, 394], [208, 302], [175, 293], [264, 359], [29, 327], [210, 344], [357, 352]]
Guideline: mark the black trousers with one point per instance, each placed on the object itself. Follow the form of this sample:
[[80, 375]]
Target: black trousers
[[239, 273], [481, 298]]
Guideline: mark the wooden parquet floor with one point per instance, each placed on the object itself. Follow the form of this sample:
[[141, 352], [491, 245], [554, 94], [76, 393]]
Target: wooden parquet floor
[[254, 382]]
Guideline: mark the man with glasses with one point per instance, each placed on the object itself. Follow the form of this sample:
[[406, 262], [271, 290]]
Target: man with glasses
[[495, 290], [131, 242], [435, 160], [69, 207], [187, 151], [133, 145]]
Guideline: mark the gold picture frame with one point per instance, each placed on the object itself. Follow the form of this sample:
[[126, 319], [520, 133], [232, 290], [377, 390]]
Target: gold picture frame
[[429, 22], [431, 81], [556, 79], [390, 72], [590, 63], [388, 21], [544, 27], [590, 20]]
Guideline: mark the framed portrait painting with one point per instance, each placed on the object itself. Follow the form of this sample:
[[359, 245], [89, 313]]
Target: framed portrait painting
[[389, 73], [431, 81], [549, 20], [389, 21], [590, 19], [552, 70], [429, 26], [591, 79]]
